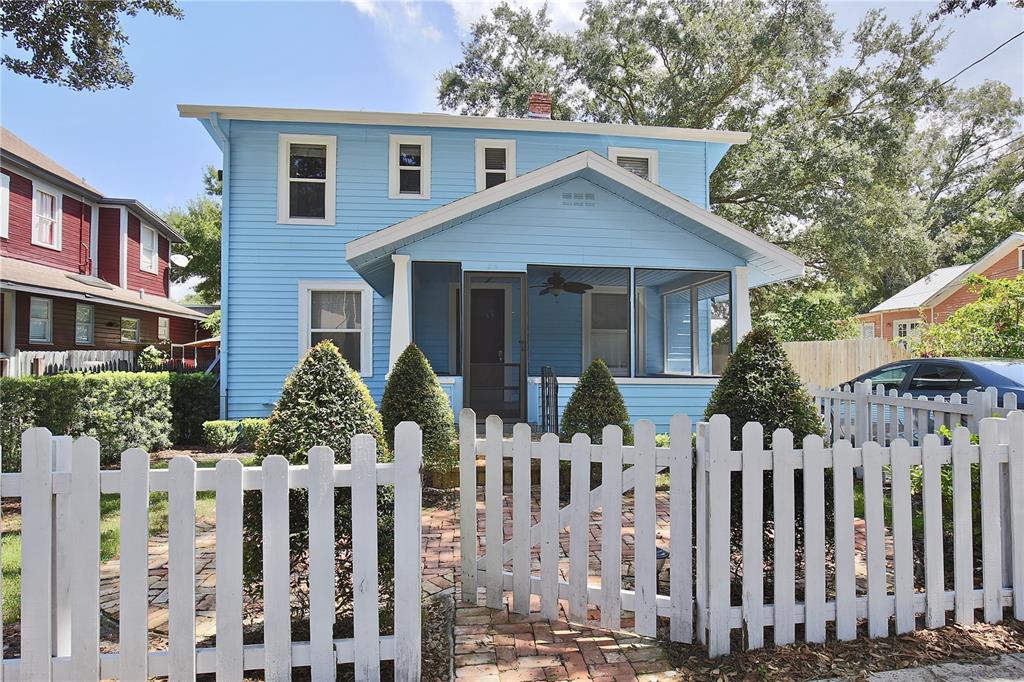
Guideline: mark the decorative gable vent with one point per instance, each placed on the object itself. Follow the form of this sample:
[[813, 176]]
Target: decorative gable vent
[[578, 199]]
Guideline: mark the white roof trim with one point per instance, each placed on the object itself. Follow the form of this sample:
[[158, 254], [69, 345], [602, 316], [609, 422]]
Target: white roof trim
[[551, 173], [1015, 240], [436, 120]]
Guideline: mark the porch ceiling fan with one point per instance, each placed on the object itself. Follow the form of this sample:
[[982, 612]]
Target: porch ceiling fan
[[556, 284]]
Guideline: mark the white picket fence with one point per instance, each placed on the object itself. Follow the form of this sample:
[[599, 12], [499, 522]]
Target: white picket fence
[[22, 363], [886, 473], [889, 416], [60, 486]]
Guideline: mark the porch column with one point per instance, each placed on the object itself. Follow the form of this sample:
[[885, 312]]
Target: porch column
[[741, 303], [401, 308]]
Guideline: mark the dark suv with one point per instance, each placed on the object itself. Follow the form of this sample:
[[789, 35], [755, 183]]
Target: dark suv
[[945, 376]]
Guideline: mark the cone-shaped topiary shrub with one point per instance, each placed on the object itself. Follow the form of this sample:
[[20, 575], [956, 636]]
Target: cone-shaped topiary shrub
[[760, 385], [596, 403], [324, 402], [412, 393]]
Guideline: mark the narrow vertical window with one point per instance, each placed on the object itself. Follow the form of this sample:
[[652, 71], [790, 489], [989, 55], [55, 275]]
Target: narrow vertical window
[[46, 218], [163, 330], [640, 162], [149, 259], [306, 175], [495, 162], [40, 324], [85, 323], [409, 167], [130, 330]]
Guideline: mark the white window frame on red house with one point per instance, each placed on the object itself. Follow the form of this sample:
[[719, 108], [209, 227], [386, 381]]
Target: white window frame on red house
[[48, 302], [151, 262], [37, 189], [651, 155], [138, 330], [365, 331], [5, 204], [284, 179], [163, 328], [910, 333], [85, 339]]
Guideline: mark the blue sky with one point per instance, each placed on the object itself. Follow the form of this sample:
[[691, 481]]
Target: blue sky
[[365, 55]]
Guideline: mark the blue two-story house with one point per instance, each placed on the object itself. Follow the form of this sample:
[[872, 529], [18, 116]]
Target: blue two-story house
[[499, 246]]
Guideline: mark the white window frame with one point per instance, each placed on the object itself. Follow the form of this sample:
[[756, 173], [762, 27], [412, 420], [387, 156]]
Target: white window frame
[[910, 332], [1020, 258], [163, 328], [58, 228], [306, 289], [482, 145], [284, 142], [587, 329], [138, 330], [864, 327], [92, 324], [394, 144], [154, 265], [5, 204], [49, 319], [650, 154]]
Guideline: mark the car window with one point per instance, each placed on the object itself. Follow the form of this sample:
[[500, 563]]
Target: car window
[[890, 377], [936, 377]]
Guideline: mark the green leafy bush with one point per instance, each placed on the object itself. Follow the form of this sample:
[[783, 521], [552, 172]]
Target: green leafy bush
[[220, 434], [17, 413], [413, 394], [324, 402], [990, 327], [249, 431], [150, 359], [596, 403], [194, 400]]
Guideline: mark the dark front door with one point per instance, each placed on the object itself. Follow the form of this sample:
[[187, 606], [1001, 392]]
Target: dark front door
[[494, 377]]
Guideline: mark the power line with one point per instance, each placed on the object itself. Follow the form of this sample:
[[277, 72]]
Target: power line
[[981, 59], [994, 149]]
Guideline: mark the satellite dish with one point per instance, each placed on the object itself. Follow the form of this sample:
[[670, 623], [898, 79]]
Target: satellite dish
[[179, 259]]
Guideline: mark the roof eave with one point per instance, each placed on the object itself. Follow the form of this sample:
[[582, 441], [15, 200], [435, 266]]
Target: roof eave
[[149, 216]]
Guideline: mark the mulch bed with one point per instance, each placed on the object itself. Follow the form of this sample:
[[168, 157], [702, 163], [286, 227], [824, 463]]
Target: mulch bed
[[854, 659]]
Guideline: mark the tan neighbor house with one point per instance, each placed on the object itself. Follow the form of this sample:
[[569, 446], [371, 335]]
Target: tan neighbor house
[[939, 294]]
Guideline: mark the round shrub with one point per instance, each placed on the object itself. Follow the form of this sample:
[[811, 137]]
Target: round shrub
[[324, 402], [595, 404], [220, 434], [250, 430], [151, 359], [413, 393]]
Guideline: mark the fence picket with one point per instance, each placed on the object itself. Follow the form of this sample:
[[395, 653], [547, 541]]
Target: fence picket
[[701, 552], [753, 533], [85, 558], [1015, 456], [521, 515], [467, 503], [784, 547], [718, 549], [963, 530], [645, 521], [134, 587], [181, 569], [931, 455], [63, 541], [408, 550], [549, 546], [1, 593], [874, 528], [991, 534], [493, 529], [681, 529], [611, 527], [323, 660], [579, 528], [903, 559], [276, 569], [36, 534], [229, 570], [845, 570], [365, 600], [814, 539]]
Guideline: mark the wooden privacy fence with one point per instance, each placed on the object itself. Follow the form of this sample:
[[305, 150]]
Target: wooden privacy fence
[[489, 570], [60, 486], [829, 363], [887, 476], [862, 412]]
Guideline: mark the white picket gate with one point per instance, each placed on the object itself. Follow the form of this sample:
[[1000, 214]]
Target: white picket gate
[[1001, 500], [646, 460], [60, 486]]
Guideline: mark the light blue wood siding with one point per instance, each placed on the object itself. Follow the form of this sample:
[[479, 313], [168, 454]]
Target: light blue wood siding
[[266, 260]]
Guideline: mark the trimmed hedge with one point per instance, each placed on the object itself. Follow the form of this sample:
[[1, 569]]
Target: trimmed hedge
[[220, 434], [194, 400], [250, 430]]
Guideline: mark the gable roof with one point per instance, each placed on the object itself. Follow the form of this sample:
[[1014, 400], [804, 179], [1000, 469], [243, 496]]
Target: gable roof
[[769, 263], [936, 286], [435, 120]]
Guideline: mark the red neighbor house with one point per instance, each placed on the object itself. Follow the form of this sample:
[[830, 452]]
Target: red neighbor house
[[938, 295], [80, 271]]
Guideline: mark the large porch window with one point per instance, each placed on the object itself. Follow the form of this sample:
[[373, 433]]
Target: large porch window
[[436, 314]]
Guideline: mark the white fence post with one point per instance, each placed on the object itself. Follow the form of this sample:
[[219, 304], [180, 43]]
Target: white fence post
[[133, 599], [229, 572], [467, 504], [645, 570], [718, 536], [365, 602], [549, 545], [493, 515], [702, 512], [753, 533], [862, 412], [681, 520], [934, 571], [62, 542], [991, 516], [408, 550], [814, 539], [323, 660], [84, 581], [783, 506], [611, 527], [579, 528], [36, 547], [845, 570], [1015, 453], [521, 515], [181, 568]]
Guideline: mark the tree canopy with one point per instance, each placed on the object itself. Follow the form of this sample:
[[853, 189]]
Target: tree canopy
[[76, 43], [859, 161], [199, 223]]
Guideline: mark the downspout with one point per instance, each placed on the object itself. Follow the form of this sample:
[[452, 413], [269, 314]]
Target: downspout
[[221, 137]]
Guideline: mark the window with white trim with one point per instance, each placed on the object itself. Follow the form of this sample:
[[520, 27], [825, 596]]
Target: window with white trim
[[409, 166], [149, 253], [85, 323], [640, 162], [906, 330], [46, 222], [867, 330], [40, 320], [5, 203], [306, 179], [339, 311], [495, 162], [606, 328], [163, 328], [1020, 258], [130, 330]]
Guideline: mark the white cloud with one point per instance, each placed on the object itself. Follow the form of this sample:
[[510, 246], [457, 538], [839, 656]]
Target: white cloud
[[565, 14], [399, 16]]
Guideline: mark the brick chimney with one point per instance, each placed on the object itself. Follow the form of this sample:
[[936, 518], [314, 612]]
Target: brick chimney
[[540, 105]]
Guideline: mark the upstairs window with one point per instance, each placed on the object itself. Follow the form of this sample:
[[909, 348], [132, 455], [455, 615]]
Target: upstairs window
[[639, 162], [149, 259], [40, 323], [5, 203], [46, 218], [306, 179], [495, 162], [85, 323], [409, 167]]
